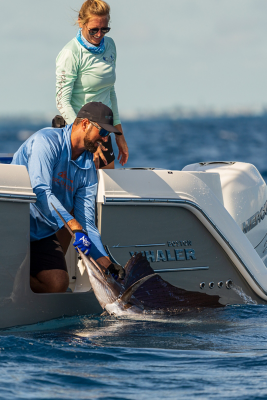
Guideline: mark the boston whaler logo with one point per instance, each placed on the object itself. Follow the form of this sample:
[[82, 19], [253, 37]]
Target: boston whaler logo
[[176, 253], [253, 221]]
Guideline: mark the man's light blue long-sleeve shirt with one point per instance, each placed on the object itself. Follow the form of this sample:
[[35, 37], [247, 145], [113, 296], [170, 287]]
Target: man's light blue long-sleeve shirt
[[57, 179]]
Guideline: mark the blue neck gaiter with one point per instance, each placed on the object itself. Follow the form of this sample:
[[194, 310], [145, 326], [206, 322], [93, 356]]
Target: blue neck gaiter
[[89, 46]]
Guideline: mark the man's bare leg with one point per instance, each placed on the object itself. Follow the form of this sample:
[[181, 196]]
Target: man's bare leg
[[50, 281], [56, 280], [64, 238]]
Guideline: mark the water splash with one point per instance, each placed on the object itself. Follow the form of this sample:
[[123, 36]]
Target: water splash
[[246, 298]]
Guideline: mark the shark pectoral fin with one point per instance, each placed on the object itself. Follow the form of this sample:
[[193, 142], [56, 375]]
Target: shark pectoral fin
[[130, 291]]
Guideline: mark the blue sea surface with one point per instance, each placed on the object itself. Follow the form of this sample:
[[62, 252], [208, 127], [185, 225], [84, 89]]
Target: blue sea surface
[[172, 144], [207, 354]]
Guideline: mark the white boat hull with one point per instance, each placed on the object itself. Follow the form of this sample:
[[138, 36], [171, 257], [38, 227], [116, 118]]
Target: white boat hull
[[202, 229]]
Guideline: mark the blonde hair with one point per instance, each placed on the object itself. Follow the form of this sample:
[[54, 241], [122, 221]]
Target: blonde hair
[[91, 8]]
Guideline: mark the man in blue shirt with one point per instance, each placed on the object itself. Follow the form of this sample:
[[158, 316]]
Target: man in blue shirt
[[62, 172]]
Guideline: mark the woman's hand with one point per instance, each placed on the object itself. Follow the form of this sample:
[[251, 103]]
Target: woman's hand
[[99, 154], [122, 146]]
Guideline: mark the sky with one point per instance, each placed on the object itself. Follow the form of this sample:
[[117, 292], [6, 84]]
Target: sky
[[195, 54]]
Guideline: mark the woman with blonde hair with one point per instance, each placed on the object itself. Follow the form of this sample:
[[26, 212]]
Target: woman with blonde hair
[[85, 72]]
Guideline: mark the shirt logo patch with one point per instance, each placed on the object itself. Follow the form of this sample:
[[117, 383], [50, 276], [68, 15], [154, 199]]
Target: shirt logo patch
[[109, 59], [62, 181], [64, 176]]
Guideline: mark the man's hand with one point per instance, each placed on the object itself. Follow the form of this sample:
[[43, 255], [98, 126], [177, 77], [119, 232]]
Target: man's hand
[[82, 241], [116, 271], [99, 154]]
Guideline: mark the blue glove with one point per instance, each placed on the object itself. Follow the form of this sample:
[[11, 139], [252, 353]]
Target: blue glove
[[82, 241]]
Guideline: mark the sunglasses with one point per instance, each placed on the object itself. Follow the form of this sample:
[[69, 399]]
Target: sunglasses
[[102, 131], [94, 31]]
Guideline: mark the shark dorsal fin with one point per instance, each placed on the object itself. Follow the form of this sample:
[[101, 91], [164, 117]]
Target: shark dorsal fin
[[130, 291]]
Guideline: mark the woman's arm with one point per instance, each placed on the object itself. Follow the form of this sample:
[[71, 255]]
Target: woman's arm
[[122, 146], [114, 102], [66, 74], [120, 139]]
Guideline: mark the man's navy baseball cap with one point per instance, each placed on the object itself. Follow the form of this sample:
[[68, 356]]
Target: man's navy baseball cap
[[99, 113]]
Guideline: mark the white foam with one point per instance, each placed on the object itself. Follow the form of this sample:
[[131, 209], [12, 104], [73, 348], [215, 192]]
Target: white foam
[[247, 299]]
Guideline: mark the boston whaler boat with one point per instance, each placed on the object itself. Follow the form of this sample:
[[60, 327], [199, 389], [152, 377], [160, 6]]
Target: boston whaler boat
[[203, 229]]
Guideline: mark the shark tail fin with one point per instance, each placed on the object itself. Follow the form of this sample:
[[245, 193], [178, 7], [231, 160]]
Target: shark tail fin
[[130, 291]]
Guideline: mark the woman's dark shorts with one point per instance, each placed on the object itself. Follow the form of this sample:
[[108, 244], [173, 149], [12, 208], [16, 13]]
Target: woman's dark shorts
[[47, 254], [109, 153], [59, 122]]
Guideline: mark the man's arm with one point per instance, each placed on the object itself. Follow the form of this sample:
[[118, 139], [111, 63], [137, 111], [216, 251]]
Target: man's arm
[[41, 160], [75, 226], [84, 211]]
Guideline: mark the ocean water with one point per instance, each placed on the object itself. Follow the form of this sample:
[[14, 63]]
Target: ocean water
[[207, 354], [172, 144]]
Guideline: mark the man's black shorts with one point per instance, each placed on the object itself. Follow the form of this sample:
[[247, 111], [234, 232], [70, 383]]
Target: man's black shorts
[[47, 254]]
